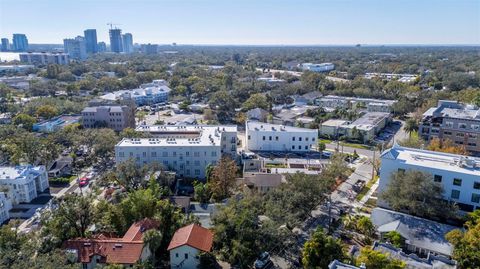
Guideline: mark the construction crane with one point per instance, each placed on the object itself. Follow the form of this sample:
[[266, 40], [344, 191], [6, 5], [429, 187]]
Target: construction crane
[[113, 24]]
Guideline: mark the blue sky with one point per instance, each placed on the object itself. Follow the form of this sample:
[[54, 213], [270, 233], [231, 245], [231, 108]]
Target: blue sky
[[277, 22]]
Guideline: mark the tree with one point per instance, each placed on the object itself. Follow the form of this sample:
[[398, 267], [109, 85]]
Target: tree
[[26, 121], [337, 168], [413, 141], [223, 178], [202, 191], [411, 125], [132, 176], [206, 260], [416, 193], [447, 146], [256, 100], [377, 260], [53, 70], [46, 111], [466, 243], [320, 250], [153, 239], [321, 146], [395, 238], [365, 226]]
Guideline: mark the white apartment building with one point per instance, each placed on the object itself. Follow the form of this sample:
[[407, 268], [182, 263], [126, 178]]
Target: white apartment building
[[24, 182], [459, 175], [274, 137], [185, 149], [372, 105], [5, 206], [323, 67]]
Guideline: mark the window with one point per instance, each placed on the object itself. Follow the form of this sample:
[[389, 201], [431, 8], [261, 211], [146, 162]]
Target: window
[[306, 147], [449, 124], [472, 135], [176, 255], [476, 185], [462, 126], [306, 138], [475, 198], [300, 139], [196, 154], [475, 127], [293, 147], [214, 154], [248, 137], [131, 154], [400, 170], [187, 153], [186, 256], [457, 182], [270, 138], [447, 133], [313, 139], [293, 138], [154, 154], [460, 134], [455, 194], [197, 172], [121, 154], [276, 138], [174, 154], [264, 138], [437, 178], [165, 154], [197, 163]]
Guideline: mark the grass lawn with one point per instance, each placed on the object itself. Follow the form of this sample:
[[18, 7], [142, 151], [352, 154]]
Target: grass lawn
[[366, 188], [62, 180], [275, 165], [325, 141], [352, 145]]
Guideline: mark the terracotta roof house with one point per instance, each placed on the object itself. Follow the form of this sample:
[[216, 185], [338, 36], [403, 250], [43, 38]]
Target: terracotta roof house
[[126, 250], [187, 243]]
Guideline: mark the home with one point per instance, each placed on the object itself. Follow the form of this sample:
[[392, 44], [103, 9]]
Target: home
[[102, 249], [61, 167], [263, 182], [187, 243], [257, 114], [423, 237]]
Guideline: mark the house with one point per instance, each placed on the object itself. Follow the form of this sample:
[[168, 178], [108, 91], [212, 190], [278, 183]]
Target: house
[[263, 182], [187, 243], [5, 118], [61, 167], [423, 237], [257, 114], [332, 128], [412, 261], [126, 250], [335, 264], [182, 202]]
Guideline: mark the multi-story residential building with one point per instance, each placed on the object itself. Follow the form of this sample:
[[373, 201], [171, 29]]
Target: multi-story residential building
[[20, 42], [459, 175], [101, 47], [114, 117], [187, 150], [25, 182], [273, 137], [5, 206], [91, 40], [149, 48], [44, 58], [372, 105], [455, 121], [151, 93], [75, 47], [116, 42], [367, 126], [323, 67], [127, 40], [5, 45]]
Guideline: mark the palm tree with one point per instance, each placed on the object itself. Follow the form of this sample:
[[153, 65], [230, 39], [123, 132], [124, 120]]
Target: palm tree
[[411, 125], [153, 239]]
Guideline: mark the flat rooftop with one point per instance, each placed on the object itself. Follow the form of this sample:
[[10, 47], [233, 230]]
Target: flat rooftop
[[334, 123], [369, 120], [261, 126], [137, 92], [431, 159], [452, 109], [357, 99], [12, 172], [182, 135]]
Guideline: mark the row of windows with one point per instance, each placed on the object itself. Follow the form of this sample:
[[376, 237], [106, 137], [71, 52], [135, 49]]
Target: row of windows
[[270, 138], [474, 199], [456, 181], [165, 154], [450, 124], [300, 147], [474, 136]]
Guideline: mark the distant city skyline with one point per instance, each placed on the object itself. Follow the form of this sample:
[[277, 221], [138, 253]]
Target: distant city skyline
[[248, 22]]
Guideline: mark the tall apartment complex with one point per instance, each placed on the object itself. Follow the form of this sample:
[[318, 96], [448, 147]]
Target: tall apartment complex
[[455, 121], [24, 182], [149, 49], [185, 149], [458, 175], [44, 58], [5, 45], [91, 40], [114, 117], [150, 93], [127, 40], [116, 41], [75, 47], [20, 42], [273, 137]]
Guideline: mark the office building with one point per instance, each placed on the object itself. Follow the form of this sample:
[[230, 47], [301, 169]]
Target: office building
[[44, 58], [148, 94], [455, 121], [20, 42], [273, 137], [24, 182], [5, 45], [76, 48], [116, 42], [91, 40], [113, 117], [185, 149], [101, 47], [149, 48], [127, 43], [459, 175], [323, 67]]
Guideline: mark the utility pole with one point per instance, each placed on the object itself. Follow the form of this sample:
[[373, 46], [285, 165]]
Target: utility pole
[[373, 164]]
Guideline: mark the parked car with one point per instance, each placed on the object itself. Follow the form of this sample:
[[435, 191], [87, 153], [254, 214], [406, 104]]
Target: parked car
[[263, 261], [83, 182]]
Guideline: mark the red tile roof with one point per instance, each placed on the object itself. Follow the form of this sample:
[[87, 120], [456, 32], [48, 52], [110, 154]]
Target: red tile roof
[[125, 250], [194, 236]]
